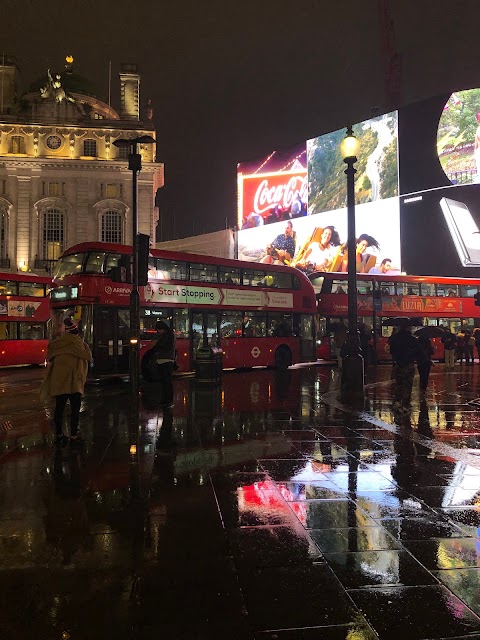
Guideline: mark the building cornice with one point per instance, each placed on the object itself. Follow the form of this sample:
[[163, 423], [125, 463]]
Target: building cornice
[[66, 164]]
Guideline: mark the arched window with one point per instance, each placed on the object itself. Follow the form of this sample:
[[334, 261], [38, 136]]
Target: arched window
[[17, 144], [90, 148], [53, 233], [112, 227]]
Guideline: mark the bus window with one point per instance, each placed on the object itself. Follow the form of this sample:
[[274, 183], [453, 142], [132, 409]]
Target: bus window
[[229, 275], [430, 322], [253, 278], [203, 272], [31, 289], [447, 290], [171, 269], [30, 331], [254, 325], [3, 331], [69, 265], [427, 289], [411, 289], [387, 288], [283, 280], [468, 290], [280, 325], [320, 284], [8, 288], [231, 323], [95, 262], [340, 286], [364, 287]]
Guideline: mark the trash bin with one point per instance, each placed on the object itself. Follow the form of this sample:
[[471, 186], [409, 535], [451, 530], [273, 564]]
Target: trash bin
[[208, 364]]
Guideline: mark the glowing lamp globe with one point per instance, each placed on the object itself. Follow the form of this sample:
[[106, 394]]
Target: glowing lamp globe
[[349, 146]]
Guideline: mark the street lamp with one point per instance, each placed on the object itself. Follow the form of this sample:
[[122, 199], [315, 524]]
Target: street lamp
[[352, 381], [135, 166]]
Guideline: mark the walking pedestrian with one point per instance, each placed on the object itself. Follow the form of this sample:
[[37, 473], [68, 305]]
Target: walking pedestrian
[[68, 358], [460, 350], [405, 351], [165, 356], [449, 341], [424, 361], [468, 348], [476, 335]]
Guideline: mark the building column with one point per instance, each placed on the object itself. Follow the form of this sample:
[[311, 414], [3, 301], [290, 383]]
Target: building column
[[22, 231]]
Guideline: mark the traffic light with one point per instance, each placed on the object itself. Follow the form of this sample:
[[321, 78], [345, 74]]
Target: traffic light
[[143, 253], [477, 299]]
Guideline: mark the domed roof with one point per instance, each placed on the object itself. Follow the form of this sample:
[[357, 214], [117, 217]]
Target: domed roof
[[71, 83]]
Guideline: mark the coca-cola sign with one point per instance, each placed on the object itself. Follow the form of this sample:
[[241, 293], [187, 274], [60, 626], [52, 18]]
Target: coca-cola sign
[[261, 193]]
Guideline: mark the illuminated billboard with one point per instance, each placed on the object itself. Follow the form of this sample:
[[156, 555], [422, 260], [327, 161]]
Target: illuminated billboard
[[272, 188], [417, 194], [296, 213], [439, 151]]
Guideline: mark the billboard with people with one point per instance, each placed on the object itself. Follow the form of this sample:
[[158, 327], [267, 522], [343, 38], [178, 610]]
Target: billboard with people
[[417, 195]]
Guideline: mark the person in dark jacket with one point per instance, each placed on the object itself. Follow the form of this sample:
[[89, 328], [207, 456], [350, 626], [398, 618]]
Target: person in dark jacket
[[424, 361], [449, 341], [404, 351], [164, 351]]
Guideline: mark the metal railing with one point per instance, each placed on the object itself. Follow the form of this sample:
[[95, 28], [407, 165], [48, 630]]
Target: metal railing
[[48, 265]]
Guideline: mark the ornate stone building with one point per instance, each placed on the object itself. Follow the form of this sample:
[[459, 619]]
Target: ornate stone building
[[62, 181]]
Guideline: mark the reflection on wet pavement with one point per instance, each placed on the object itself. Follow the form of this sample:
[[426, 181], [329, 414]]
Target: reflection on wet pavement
[[261, 508]]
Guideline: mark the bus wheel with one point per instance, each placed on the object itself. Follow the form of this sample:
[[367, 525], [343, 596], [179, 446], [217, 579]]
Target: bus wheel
[[283, 358]]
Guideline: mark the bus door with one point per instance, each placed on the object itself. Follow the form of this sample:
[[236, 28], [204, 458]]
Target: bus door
[[306, 332], [111, 340], [204, 330]]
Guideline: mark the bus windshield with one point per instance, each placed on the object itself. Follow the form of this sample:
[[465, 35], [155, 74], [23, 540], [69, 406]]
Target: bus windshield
[[69, 265]]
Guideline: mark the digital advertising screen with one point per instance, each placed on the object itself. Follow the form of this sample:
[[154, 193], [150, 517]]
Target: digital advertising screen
[[439, 155], [272, 188], [297, 213], [417, 195]]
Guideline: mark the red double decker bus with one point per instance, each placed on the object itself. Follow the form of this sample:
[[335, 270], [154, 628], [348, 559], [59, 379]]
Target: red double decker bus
[[24, 314], [259, 315], [436, 301]]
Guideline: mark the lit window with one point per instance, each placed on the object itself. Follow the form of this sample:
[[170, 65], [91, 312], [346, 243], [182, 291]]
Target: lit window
[[17, 144], [112, 227], [112, 191], [53, 189], [53, 234], [90, 148]]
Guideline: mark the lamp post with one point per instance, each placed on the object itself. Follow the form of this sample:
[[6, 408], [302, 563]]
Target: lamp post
[[352, 381], [135, 166]]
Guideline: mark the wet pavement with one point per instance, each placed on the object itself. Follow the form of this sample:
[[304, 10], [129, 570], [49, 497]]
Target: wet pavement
[[260, 508]]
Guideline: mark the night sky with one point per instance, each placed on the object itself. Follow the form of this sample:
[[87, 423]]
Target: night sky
[[230, 80]]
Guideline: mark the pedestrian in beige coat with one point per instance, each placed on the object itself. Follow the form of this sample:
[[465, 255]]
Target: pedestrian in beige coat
[[68, 358]]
